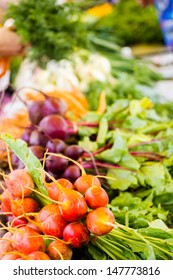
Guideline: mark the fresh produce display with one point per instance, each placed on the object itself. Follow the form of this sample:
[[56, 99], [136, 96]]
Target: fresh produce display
[[87, 171], [116, 195]]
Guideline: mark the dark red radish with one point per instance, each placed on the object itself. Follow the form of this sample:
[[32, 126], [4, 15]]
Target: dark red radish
[[55, 164], [38, 151], [55, 146], [76, 234], [51, 221], [38, 138], [100, 221], [73, 151], [58, 250], [19, 183], [16, 162], [54, 126], [26, 240], [53, 105], [38, 255], [71, 173], [26, 134], [86, 181], [34, 111], [24, 205], [96, 197]]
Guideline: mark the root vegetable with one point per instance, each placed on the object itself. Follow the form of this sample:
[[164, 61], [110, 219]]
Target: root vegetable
[[37, 255], [76, 234], [50, 220], [86, 181], [26, 240], [58, 250], [96, 197], [100, 221], [19, 183], [24, 205], [54, 126]]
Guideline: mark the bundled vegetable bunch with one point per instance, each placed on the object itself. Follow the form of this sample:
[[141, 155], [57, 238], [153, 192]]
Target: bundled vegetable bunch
[[63, 214]]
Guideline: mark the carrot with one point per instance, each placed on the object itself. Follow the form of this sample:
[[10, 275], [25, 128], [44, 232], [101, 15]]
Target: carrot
[[4, 65]]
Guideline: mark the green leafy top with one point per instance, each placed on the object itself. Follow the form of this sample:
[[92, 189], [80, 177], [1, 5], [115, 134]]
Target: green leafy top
[[53, 31]]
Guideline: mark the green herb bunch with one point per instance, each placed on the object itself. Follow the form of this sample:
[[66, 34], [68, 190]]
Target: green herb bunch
[[53, 31]]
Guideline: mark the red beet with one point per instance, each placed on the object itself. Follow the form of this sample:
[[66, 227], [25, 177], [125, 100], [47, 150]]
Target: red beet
[[74, 206], [53, 190], [6, 201], [65, 183], [18, 222], [37, 255], [54, 126], [76, 234], [55, 146], [86, 181], [34, 110], [73, 151], [53, 105], [100, 221], [5, 245], [58, 250], [19, 183], [96, 197], [10, 256], [26, 240], [38, 151], [72, 172], [55, 164], [24, 205], [51, 221]]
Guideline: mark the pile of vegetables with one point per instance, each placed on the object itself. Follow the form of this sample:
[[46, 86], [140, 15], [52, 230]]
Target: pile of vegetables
[[117, 160], [89, 181], [90, 60], [55, 31]]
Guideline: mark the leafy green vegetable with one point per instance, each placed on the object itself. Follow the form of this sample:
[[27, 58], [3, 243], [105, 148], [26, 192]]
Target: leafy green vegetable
[[54, 31], [131, 24], [124, 179]]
